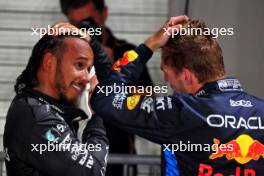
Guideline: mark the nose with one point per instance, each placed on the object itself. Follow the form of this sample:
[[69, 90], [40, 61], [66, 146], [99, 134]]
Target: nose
[[85, 76]]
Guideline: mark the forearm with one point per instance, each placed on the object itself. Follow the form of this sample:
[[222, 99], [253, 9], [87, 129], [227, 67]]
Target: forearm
[[128, 69], [102, 63]]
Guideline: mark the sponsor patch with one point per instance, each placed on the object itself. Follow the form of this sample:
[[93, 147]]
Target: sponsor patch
[[118, 100], [229, 85], [242, 103], [132, 101], [52, 135], [147, 104], [128, 57], [244, 149]]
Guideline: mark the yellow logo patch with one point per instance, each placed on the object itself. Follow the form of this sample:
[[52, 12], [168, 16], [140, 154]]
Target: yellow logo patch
[[132, 55], [128, 57], [132, 101]]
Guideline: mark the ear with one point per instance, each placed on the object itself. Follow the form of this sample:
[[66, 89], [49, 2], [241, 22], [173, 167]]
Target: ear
[[188, 76], [49, 62]]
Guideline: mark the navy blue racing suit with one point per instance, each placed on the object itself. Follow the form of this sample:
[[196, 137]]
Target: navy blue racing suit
[[219, 128]]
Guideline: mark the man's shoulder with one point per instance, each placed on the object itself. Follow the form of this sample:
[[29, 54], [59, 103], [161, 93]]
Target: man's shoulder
[[256, 101], [230, 100], [30, 107], [19, 105], [124, 45], [119, 45]]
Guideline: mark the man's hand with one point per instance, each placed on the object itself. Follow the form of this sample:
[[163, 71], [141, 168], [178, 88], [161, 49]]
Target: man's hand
[[93, 83], [63, 28], [83, 102], [161, 37]]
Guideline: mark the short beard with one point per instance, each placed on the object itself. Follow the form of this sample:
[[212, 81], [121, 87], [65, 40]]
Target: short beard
[[61, 86]]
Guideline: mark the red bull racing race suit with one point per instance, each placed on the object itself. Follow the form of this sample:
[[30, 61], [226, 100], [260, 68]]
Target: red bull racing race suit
[[217, 131]]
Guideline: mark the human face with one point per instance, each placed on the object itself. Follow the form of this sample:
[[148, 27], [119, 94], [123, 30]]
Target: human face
[[176, 81], [77, 15], [72, 71]]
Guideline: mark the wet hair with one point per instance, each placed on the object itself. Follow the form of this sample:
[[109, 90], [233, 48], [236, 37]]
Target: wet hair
[[199, 53], [48, 43], [67, 5]]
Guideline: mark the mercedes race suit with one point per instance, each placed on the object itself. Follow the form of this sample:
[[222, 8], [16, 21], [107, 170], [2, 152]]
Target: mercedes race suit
[[219, 130], [40, 139]]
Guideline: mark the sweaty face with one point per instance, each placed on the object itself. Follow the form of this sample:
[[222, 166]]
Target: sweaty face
[[72, 71], [176, 81], [77, 15]]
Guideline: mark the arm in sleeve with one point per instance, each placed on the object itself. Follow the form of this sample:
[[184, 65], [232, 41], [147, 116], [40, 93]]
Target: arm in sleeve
[[57, 151], [102, 63], [149, 117]]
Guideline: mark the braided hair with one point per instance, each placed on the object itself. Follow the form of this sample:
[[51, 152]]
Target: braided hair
[[48, 43]]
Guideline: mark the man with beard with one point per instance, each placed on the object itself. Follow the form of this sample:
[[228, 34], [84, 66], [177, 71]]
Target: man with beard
[[94, 13], [40, 138]]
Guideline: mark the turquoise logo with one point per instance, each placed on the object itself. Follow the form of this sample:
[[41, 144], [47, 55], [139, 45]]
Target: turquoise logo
[[49, 136]]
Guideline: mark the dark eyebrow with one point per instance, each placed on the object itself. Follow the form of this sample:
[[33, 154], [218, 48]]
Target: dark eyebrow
[[82, 58], [85, 59]]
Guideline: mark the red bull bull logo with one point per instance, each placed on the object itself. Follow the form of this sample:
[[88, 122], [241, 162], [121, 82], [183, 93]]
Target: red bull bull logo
[[128, 57], [243, 151], [233, 151]]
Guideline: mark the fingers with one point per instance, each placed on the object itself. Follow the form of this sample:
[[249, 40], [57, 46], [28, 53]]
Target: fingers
[[61, 24], [93, 83], [64, 28], [172, 30], [177, 20], [174, 25]]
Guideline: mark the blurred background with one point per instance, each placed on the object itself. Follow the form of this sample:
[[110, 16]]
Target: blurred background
[[135, 20]]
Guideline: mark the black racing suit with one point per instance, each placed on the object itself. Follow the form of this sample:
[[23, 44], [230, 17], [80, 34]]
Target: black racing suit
[[40, 140], [218, 131]]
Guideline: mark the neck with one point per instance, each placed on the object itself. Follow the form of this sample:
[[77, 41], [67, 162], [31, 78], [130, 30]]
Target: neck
[[200, 85], [196, 87], [47, 90], [214, 79]]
